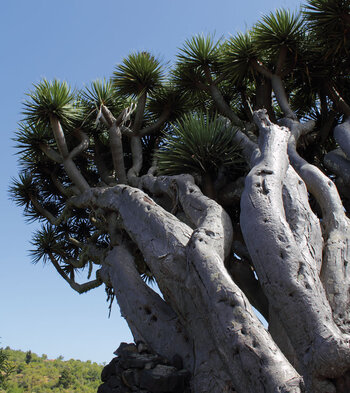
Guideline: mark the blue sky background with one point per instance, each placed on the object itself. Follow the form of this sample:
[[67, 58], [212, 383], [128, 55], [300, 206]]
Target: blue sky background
[[79, 41]]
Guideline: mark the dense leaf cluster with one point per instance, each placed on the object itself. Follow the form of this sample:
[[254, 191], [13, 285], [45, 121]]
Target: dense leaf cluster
[[39, 374], [147, 116]]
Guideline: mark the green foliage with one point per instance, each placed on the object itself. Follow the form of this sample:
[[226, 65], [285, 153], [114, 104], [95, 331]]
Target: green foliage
[[22, 189], [42, 375], [51, 99], [309, 51], [198, 144], [29, 138], [330, 22], [66, 379], [168, 99], [46, 241], [139, 72], [6, 368], [28, 357], [238, 52], [199, 51], [279, 29], [101, 92]]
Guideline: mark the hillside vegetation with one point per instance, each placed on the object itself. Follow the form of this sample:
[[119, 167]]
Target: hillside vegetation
[[38, 374]]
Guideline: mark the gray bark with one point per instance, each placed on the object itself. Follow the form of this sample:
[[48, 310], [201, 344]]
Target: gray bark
[[300, 261], [67, 159], [189, 268], [336, 254], [289, 276]]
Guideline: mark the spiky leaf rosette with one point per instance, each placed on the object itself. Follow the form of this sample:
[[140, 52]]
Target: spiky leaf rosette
[[330, 22], [29, 138], [46, 241], [190, 81], [170, 100], [139, 72], [22, 189], [101, 92], [198, 144], [52, 99], [200, 51], [196, 64], [237, 55], [277, 30]]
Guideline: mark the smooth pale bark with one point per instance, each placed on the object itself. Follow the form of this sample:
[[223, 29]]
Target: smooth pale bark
[[289, 278], [189, 268], [342, 136], [218, 299], [72, 171], [223, 107], [281, 96], [302, 220], [137, 159], [115, 141], [337, 162], [116, 146], [150, 318], [80, 288], [336, 253]]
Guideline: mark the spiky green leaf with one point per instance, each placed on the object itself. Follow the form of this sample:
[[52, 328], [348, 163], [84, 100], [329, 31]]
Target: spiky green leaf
[[52, 99], [139, 72]]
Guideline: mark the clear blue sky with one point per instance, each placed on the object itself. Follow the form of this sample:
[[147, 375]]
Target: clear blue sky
[[79, 41]]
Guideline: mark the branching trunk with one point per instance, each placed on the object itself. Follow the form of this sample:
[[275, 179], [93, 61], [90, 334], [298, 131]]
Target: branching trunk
[[336, 257], [288, 276]]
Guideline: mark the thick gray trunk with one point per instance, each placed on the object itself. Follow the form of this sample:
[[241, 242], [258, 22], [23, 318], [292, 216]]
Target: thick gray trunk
[[213, 326], [189, 268], [289, 274]]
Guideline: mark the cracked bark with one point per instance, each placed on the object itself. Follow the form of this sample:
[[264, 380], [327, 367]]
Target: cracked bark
[[189, 268], [334, 274], [288, 276]]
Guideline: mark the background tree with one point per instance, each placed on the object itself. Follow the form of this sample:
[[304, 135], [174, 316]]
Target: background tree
[[42, 375], [225, 180], [28, 356], [6, 368]]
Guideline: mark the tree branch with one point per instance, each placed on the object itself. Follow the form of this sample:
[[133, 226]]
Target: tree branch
[[83, 145], [220, 304], [338, 100], [135, 142], [150, 318], [281, 96], [116, 145], [50, 153], [80, 288], [289, 278], [72, 171], [223, 107], [342, 136], [156, 126], [46, 214], [302, 221], [137, 160], [243, 275]]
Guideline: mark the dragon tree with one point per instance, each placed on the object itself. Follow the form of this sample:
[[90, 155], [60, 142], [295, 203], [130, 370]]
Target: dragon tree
[[224, 179]]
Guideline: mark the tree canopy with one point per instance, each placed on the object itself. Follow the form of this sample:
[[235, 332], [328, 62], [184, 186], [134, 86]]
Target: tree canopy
[[55, 375], [223, 177]]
